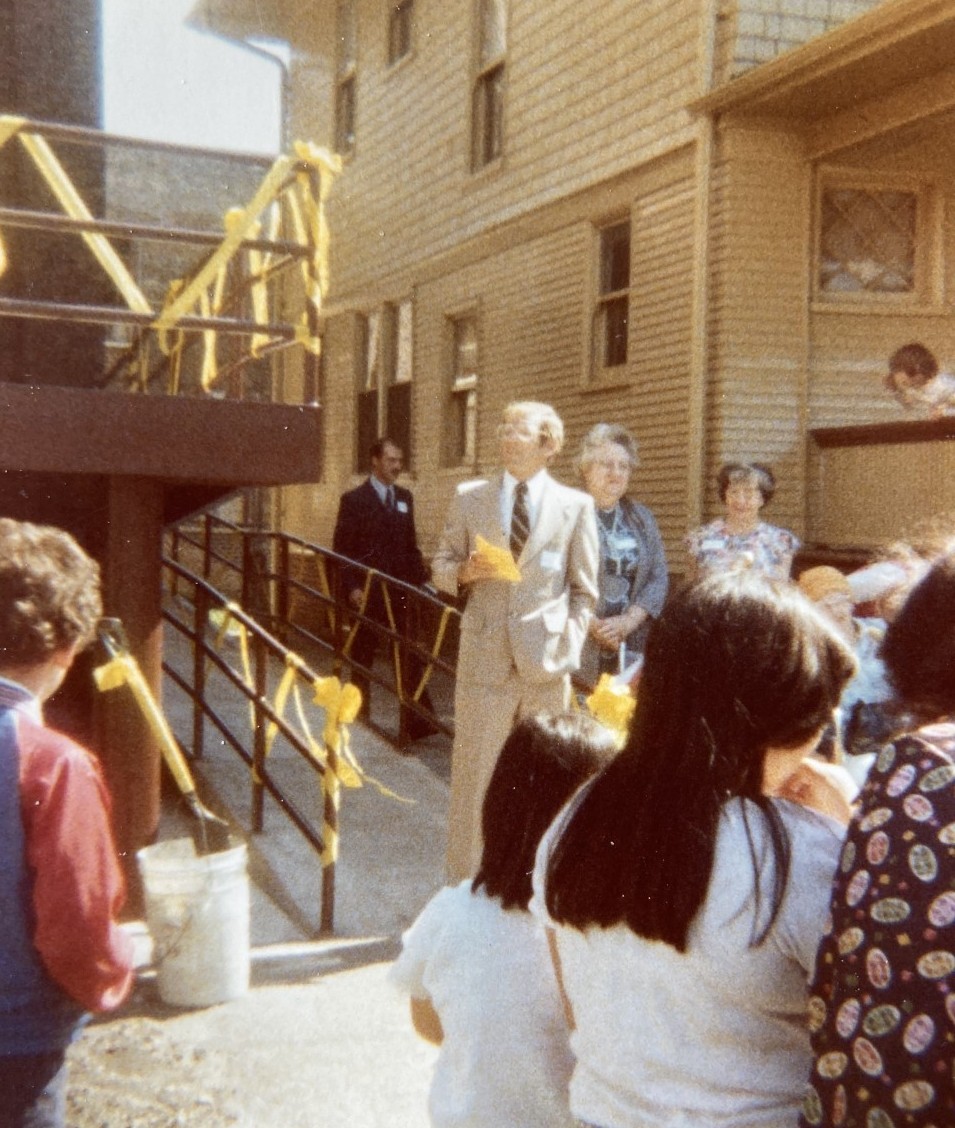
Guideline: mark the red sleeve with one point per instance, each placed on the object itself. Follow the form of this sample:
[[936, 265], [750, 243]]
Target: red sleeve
[[79, 885]]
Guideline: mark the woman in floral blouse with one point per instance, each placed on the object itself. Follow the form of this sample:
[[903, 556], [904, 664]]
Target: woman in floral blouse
[[882, 1007], [740, 539]]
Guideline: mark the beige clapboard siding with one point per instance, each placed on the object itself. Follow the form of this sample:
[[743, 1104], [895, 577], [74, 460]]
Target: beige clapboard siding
[[407, 195], [531, 298], [758, 314]]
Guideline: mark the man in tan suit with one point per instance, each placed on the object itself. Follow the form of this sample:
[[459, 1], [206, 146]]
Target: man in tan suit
[[520, 641]]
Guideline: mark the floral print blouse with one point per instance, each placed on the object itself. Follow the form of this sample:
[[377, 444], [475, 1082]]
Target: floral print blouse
[[767, 548]]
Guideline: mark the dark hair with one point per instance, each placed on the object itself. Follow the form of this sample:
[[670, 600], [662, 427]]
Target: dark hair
[[544, 760], [916, 361], [757, 472], [919, 645], [377, 448], [735, 665], [49, 593]]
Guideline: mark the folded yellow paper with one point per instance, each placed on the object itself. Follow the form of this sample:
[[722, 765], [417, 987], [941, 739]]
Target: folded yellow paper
[[500, 558]]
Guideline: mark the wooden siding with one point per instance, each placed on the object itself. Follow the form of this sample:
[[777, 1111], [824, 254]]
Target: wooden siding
[[531, 297], [758, 314], [407, 195]]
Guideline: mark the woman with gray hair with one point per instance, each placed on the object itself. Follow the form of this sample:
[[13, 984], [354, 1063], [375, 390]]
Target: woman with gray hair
[[633, 570]]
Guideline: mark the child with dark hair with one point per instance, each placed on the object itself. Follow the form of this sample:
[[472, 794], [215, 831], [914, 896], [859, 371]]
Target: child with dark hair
[[62, 952], [686, 887], [915, 381], [475, 962]]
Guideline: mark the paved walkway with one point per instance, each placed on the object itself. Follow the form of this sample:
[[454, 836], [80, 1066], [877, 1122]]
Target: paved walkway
[[321, 1040]]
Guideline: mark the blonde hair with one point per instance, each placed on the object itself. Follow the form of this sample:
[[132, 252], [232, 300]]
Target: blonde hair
[[539, 417]]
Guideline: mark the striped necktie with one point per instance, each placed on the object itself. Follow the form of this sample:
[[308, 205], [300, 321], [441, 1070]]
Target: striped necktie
[[520, 521]]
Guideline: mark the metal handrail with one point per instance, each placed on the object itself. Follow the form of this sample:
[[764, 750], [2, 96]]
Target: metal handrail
[[260, 571], [264, 651]]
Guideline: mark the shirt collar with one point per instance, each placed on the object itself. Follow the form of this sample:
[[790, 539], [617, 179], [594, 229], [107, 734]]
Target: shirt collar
[[535, 485], [15, 696], [380, 488]]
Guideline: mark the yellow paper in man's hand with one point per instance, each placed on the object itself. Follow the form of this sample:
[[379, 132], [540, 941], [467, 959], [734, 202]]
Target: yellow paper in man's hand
[[499, 558]]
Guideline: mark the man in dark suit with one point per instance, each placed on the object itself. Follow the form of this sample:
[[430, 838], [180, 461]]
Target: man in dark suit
[[375, 527]]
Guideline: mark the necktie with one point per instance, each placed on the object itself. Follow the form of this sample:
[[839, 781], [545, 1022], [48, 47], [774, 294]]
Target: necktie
[[390, 498], [520, 522]]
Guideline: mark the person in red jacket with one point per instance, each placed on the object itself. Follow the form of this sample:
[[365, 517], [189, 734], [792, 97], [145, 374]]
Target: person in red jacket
[[62, 951]]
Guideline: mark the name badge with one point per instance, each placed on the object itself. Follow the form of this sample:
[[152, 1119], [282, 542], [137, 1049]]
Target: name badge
[[401, 506], [551, 561]]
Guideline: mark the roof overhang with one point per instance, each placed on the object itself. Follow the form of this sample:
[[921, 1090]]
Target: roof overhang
[[239, 19], [890, 67]]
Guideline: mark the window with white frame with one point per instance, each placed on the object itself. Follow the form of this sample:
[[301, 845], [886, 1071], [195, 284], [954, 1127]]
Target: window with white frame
[[346, 68], [611, 318], [400, 24], [384, 373], [872, 239], [487, 96], [461, 424]]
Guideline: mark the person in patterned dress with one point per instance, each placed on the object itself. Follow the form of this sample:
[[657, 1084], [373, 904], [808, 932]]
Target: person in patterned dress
[[882, 1005], [740, 540]]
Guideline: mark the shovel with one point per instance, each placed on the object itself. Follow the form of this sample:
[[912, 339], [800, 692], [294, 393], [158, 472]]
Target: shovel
[[211, 834]]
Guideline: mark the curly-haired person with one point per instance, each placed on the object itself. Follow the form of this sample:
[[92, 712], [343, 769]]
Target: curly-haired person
[[62, 952]]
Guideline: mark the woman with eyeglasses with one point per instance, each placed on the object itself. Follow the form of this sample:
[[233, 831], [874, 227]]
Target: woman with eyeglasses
[[633, 569]]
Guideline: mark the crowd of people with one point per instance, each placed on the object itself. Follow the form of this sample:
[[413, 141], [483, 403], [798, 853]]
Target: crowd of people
[[716, 926], [720, 924]]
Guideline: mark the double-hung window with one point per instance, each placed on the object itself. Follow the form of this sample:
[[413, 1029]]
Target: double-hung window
[[384, 373], [611, 316], [400, 25], [346, 67], [487, 95], [461, 425]]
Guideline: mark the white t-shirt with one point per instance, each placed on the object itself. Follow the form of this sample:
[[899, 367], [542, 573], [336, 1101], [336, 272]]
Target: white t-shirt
[[505, 1061], [715, 1037]]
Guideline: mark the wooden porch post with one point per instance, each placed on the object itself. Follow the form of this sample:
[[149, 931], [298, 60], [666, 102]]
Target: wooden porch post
[[132, 592]]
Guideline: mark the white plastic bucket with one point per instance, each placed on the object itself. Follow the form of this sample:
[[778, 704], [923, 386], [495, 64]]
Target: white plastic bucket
[[197, 911]]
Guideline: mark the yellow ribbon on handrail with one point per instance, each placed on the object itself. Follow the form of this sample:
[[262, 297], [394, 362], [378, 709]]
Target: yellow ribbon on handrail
[[342, 703], [123, 669]]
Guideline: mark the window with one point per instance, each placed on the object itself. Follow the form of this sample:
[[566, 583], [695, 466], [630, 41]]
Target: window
[[384, 375], [369, 379], [345, 77], [487, 99], [612, 311], [399, 30], [398, 371], [874, 240], [461, 429]]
